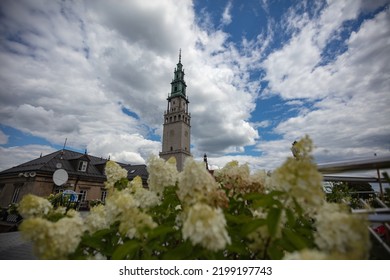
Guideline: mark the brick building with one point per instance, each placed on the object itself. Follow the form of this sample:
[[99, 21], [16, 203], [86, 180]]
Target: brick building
[[85, 177]]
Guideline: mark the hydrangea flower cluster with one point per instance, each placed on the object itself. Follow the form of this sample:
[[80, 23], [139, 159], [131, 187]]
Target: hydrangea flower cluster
[[206, 226], [347, 237], [205, 222], [34, 206], [114, 173], [97, 219], [238, 180], [300, 178], [145, 197], [235, 214], [161, 174], [196, 184], [53, 240]]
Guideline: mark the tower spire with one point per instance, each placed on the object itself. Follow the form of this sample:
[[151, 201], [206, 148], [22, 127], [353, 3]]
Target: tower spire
[[177, 121]]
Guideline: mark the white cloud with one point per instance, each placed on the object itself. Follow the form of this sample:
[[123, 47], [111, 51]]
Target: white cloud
[[131, 148], [227, 16], [68, 70], [3, 138], [13, 156], [349, 118]]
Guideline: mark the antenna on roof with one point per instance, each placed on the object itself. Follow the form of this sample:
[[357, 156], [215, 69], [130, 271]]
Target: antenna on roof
[[63, 148]]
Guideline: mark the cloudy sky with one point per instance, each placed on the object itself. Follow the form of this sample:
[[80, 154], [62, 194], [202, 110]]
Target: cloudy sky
[[260, 74]]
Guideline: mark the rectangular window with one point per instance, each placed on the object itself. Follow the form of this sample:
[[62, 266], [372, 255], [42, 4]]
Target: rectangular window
[[103, 196], [83, 194], [15, 195], [83, 166]]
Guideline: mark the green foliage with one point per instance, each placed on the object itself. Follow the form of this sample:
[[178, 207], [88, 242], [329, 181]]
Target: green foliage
[[13, 208], [339, 192]]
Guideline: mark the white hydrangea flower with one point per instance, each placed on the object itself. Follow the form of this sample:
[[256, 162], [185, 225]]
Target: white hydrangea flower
[[145, 197], [97, 256], [34, 206], [119, 203], [307, 255], [114, 172], [134, 223], [161, 174], [206, 226], [53, 240], [123, 207], [262, 177], [97, 219], [196, 183], [238, 180], [301, 179], [342, 233]]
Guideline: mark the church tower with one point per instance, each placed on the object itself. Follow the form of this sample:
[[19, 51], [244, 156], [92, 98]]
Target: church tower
[[177, 125]]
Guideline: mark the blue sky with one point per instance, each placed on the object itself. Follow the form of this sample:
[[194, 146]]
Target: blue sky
[[260, 75]]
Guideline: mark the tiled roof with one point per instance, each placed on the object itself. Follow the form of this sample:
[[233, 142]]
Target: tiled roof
[[68, 160]]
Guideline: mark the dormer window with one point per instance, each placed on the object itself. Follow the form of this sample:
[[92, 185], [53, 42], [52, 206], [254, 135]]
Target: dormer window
[[82, 166]]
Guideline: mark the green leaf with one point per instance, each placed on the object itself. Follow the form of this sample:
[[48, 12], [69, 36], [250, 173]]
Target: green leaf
[[160, 231], [126, 251], [298, 207], [252, 226], [253, 196], [264, 202], [269, 200], [274, 252], [273, 219], [238, 219], [277, 193], [290, 217], [238, 248], [297, 240], [121, 184], [182, 251]]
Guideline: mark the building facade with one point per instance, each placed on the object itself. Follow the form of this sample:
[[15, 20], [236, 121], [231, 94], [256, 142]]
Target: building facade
[[176, 140], [85, 174]]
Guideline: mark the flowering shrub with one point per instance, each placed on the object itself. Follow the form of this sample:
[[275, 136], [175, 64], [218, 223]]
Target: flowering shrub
[[192, 215]]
